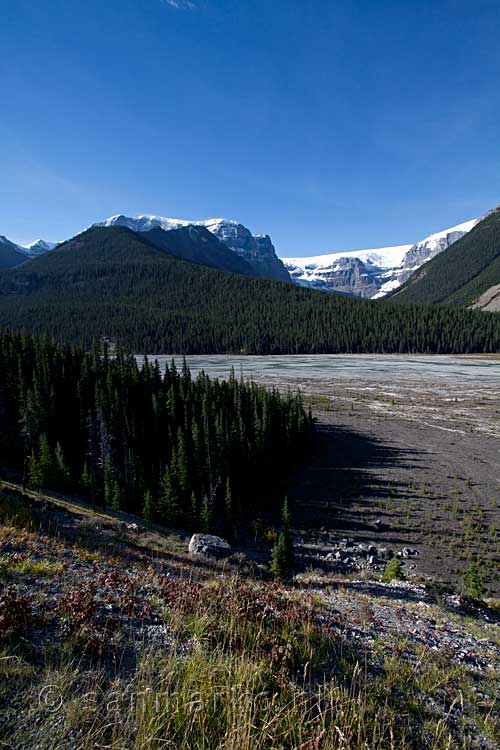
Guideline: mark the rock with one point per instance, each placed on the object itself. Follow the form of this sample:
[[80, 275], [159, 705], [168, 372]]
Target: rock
[[258, 250], [133, 527], [385, 554], [210, 545]]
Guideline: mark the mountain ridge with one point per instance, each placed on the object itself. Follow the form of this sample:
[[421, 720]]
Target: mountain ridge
[[111, 282], [463, 273], [372, 273], [257, 250]]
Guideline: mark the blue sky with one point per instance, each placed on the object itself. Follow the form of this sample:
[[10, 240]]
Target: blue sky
[[331, 125]]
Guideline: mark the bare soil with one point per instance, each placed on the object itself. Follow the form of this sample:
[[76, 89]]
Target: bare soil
[[422, 459]]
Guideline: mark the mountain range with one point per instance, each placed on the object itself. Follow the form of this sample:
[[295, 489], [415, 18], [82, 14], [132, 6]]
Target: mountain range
[[12, 254], [433, 270], [255, 249], [120, 285], [372, 273], [230, 246]]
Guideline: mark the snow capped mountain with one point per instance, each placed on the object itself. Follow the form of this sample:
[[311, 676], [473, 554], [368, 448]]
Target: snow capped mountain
[[372, 273], [39, 246], [258, 250]]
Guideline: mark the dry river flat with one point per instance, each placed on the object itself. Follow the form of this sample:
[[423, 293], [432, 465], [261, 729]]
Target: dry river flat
[[408, 455]]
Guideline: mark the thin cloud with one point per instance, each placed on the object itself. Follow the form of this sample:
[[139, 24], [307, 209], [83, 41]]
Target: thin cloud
[[180, 4]]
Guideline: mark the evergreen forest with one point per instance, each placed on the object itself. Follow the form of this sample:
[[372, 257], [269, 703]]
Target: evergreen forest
[[196, 453], [112, 283]]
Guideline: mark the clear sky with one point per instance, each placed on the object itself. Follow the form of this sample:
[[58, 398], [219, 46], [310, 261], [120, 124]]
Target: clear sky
[[329, 124]]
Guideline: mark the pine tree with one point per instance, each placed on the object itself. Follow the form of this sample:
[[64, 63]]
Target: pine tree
[[35, 476], [113, 499], [168, 502], [282, 558], [182, 466], [62, 471], [206, 515], [149, 509], [193, 519], [229, 510], [86, 480], [46, 461]]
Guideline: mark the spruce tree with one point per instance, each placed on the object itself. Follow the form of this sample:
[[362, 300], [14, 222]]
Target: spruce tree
[[63, 473], [193, 519], [168, 502], [86, 480], [46, 462], [182, 465], [35, 476], [149, 509], [282, 557], [229, 510], [206, 515]]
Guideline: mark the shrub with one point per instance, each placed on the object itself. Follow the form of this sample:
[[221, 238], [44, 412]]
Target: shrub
[[393, 571], [78, 607], [13, 612], [473, 581]]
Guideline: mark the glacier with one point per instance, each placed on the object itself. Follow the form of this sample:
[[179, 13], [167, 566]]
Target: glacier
[[372, 273]]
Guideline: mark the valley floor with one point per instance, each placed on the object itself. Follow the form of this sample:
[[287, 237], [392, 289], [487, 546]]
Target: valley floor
[[409, 464], [112, 636]]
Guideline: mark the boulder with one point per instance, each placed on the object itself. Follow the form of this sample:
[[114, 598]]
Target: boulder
[[408, 552], [384, 553], [210, 545]]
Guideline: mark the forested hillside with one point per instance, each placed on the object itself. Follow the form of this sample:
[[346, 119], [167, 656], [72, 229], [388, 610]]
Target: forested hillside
[[10, 255], [112, 283], [460, 274], [194, 453], [198, 245]]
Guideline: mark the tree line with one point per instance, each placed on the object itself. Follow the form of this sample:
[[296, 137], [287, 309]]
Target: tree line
[[111, 282], [197, 453]]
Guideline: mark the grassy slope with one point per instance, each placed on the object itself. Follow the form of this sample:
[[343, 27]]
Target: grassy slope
[[105, 649], [462, 272]]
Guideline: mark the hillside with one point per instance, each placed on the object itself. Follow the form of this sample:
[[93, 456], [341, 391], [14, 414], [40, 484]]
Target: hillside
[[113, 636], [460, 274], [257, 250], [111, 282], [10, 254], [197, 245]]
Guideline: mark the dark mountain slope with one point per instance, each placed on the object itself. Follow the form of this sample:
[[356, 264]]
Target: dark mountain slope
[[460, 274], [10, 255], [198, 245], [112, 282]]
